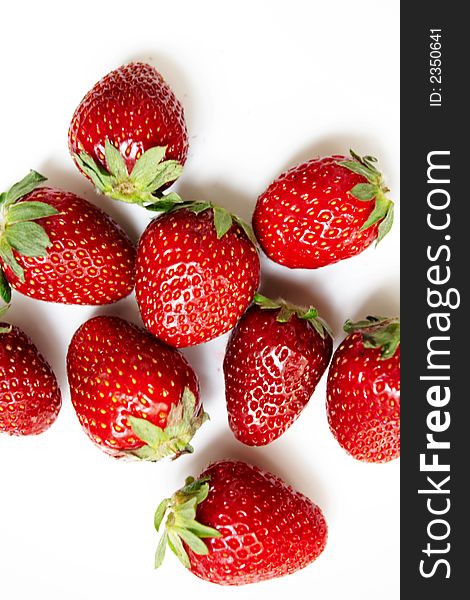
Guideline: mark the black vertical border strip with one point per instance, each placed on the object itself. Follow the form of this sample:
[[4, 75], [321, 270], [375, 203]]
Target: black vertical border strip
[[424, 129]]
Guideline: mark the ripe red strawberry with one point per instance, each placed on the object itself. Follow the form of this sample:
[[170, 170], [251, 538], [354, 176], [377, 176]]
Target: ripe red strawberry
[[363, 390], [130, 113], [133, 395], [30, 397], [323, 211], [255, 526], [197, 271], [57, 247], [275, 358]]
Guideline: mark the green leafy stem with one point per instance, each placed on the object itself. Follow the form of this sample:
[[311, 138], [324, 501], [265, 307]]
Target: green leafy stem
[[382, 212], [287, 310], [19, 231], [181, 526], [4, 328], [378, 332], [142, 185], [182, 424]]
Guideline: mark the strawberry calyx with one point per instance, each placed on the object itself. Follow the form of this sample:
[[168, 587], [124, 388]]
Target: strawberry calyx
[[374, 189], [4, 327], [287, 310], [181, 526], [18, 230], [223, 219], [182, 424], [378, 332], [142, 185], [5, 289]]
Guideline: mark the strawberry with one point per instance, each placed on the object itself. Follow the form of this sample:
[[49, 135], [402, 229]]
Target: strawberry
[[363, 390], [30, 397], [255, 526], [197, 270], [123, 128], [275, 357], [323, 211], [57, 247], [133, 395]]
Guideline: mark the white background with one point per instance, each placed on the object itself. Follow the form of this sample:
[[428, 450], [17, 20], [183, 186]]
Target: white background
[[265, 85]]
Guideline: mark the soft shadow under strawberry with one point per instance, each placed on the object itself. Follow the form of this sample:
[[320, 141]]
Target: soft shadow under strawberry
[[279, 458]]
